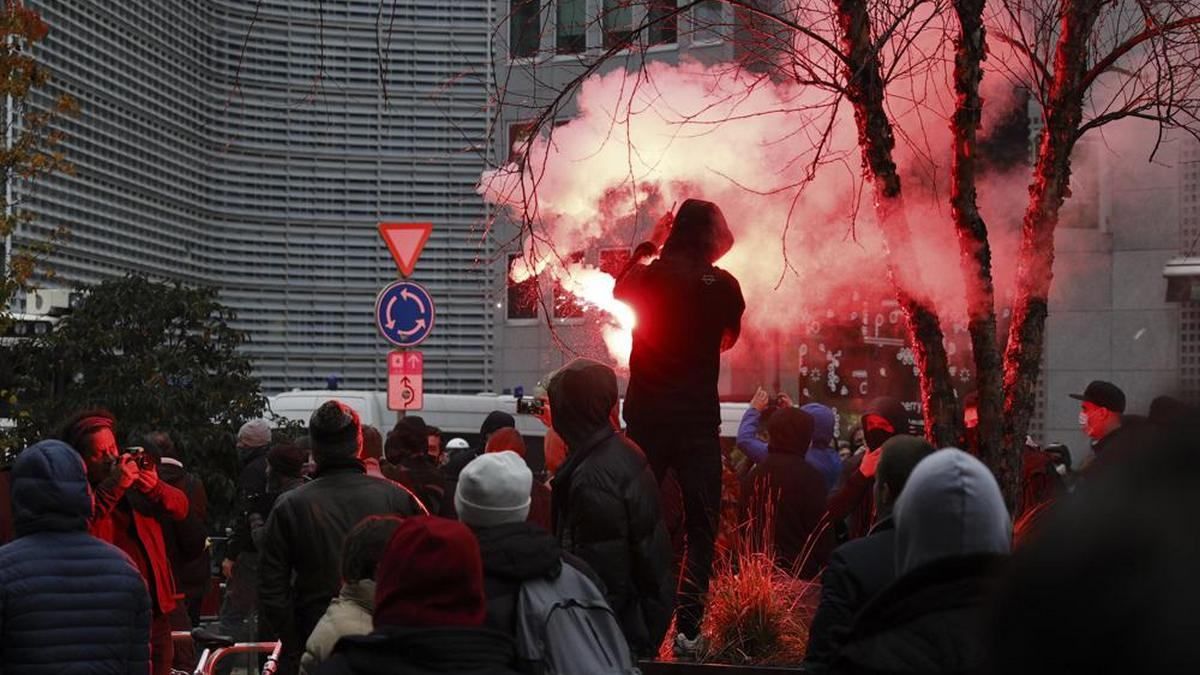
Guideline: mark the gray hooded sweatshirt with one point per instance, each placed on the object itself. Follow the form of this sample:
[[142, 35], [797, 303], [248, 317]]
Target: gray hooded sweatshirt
[[950, 506]]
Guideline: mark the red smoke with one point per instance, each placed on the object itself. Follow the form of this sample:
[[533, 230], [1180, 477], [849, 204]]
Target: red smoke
[[783, 165]]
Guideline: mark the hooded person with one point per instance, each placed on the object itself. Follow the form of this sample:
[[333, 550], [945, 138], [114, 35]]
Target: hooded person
[[884, 418], [688, 312], [785, 492], [605, 504], [1108, 584], [953, 537], [860, 569], [430, 609], [822, 455], [300, 570], [70, 602]]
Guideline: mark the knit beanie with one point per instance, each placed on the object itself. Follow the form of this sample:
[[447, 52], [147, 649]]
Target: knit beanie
[[496, 420], [287, 460], [335, 431], [494, 490], [254, 434], [431, 576], [506, 439]]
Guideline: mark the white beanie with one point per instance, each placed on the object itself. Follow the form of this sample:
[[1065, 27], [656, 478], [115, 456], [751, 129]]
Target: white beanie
[[254, 434], [494, 490], [458, 444]]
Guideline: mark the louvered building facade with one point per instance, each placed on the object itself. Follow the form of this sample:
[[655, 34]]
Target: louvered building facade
[[254, 146]]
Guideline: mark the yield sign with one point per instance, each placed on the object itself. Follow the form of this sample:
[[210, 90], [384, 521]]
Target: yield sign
[[405, 241]]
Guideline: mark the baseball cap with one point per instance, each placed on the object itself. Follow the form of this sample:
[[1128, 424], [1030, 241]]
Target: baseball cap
[[1103, 394]]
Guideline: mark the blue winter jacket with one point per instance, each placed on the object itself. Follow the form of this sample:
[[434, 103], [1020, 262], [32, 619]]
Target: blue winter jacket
[[70, 604], [819, 456]]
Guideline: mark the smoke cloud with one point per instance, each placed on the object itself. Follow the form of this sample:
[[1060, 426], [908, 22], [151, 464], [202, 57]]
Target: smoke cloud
[[783, 163]]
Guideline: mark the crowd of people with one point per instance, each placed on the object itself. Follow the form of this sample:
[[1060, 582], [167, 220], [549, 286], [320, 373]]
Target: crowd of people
[[366, 552]]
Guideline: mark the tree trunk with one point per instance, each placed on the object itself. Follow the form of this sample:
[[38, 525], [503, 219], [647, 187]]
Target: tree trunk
[[974, 250], [1051, 180], [865, 90]]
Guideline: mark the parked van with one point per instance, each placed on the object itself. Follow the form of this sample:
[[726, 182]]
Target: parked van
[[455, 415]]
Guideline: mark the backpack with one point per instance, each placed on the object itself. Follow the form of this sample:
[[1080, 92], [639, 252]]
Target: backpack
[[565, 625]]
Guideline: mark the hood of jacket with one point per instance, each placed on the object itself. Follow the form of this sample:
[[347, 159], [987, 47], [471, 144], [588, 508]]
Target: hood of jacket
[[950, 507], [248, 455], [790, 431], [891, 410], [442, 650], [518, 552], [699, 234], [823, 423], [50, 491], [582, 396]]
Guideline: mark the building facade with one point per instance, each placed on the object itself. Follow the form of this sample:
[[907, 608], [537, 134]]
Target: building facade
[[1110, 313], [256, 146]]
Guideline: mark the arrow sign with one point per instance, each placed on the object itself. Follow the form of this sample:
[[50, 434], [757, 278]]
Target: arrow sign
[[404, 313], [406, 374], [405, 241]]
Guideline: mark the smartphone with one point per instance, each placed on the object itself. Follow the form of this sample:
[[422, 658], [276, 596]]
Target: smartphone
[[531, 406]]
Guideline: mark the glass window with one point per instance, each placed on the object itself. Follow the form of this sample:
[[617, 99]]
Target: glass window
[[523, 296], [617, 21], [524, 29], [708, 21], [571, 37], [664, 25]]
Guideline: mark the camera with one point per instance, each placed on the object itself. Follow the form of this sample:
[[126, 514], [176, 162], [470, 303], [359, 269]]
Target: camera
[[531, 406], [139, 455]]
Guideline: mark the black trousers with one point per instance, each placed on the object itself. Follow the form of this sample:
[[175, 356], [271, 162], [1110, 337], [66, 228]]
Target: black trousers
[[695, 457]]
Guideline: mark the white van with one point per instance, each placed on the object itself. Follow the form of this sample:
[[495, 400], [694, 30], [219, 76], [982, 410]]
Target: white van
[[453, 414]]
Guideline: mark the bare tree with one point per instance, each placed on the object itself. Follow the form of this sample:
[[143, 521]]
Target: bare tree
[[1086, 63]]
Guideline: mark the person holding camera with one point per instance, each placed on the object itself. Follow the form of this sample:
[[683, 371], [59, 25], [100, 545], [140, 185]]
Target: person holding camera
[[129, 499]]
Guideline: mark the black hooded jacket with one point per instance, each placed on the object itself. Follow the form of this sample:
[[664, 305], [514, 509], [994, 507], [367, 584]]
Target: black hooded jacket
[[788, 492], [606, 504], [854, 499], [688, 311]]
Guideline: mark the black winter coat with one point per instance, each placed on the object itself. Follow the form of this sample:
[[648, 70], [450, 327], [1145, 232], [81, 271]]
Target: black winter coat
[[513, 554], [931, 620], [300, 565], [186, 539], [69, 603], [421, 651], [858, 571], [252, 482], [606, 511], [787, 487]]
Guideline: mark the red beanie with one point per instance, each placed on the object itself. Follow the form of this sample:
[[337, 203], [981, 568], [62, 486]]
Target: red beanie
[[431, 575]]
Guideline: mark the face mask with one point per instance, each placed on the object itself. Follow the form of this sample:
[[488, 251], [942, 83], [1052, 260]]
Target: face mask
[[1083, 419], [876, 437]]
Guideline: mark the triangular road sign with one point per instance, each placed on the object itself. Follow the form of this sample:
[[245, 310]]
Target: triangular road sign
[[405, 241]]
